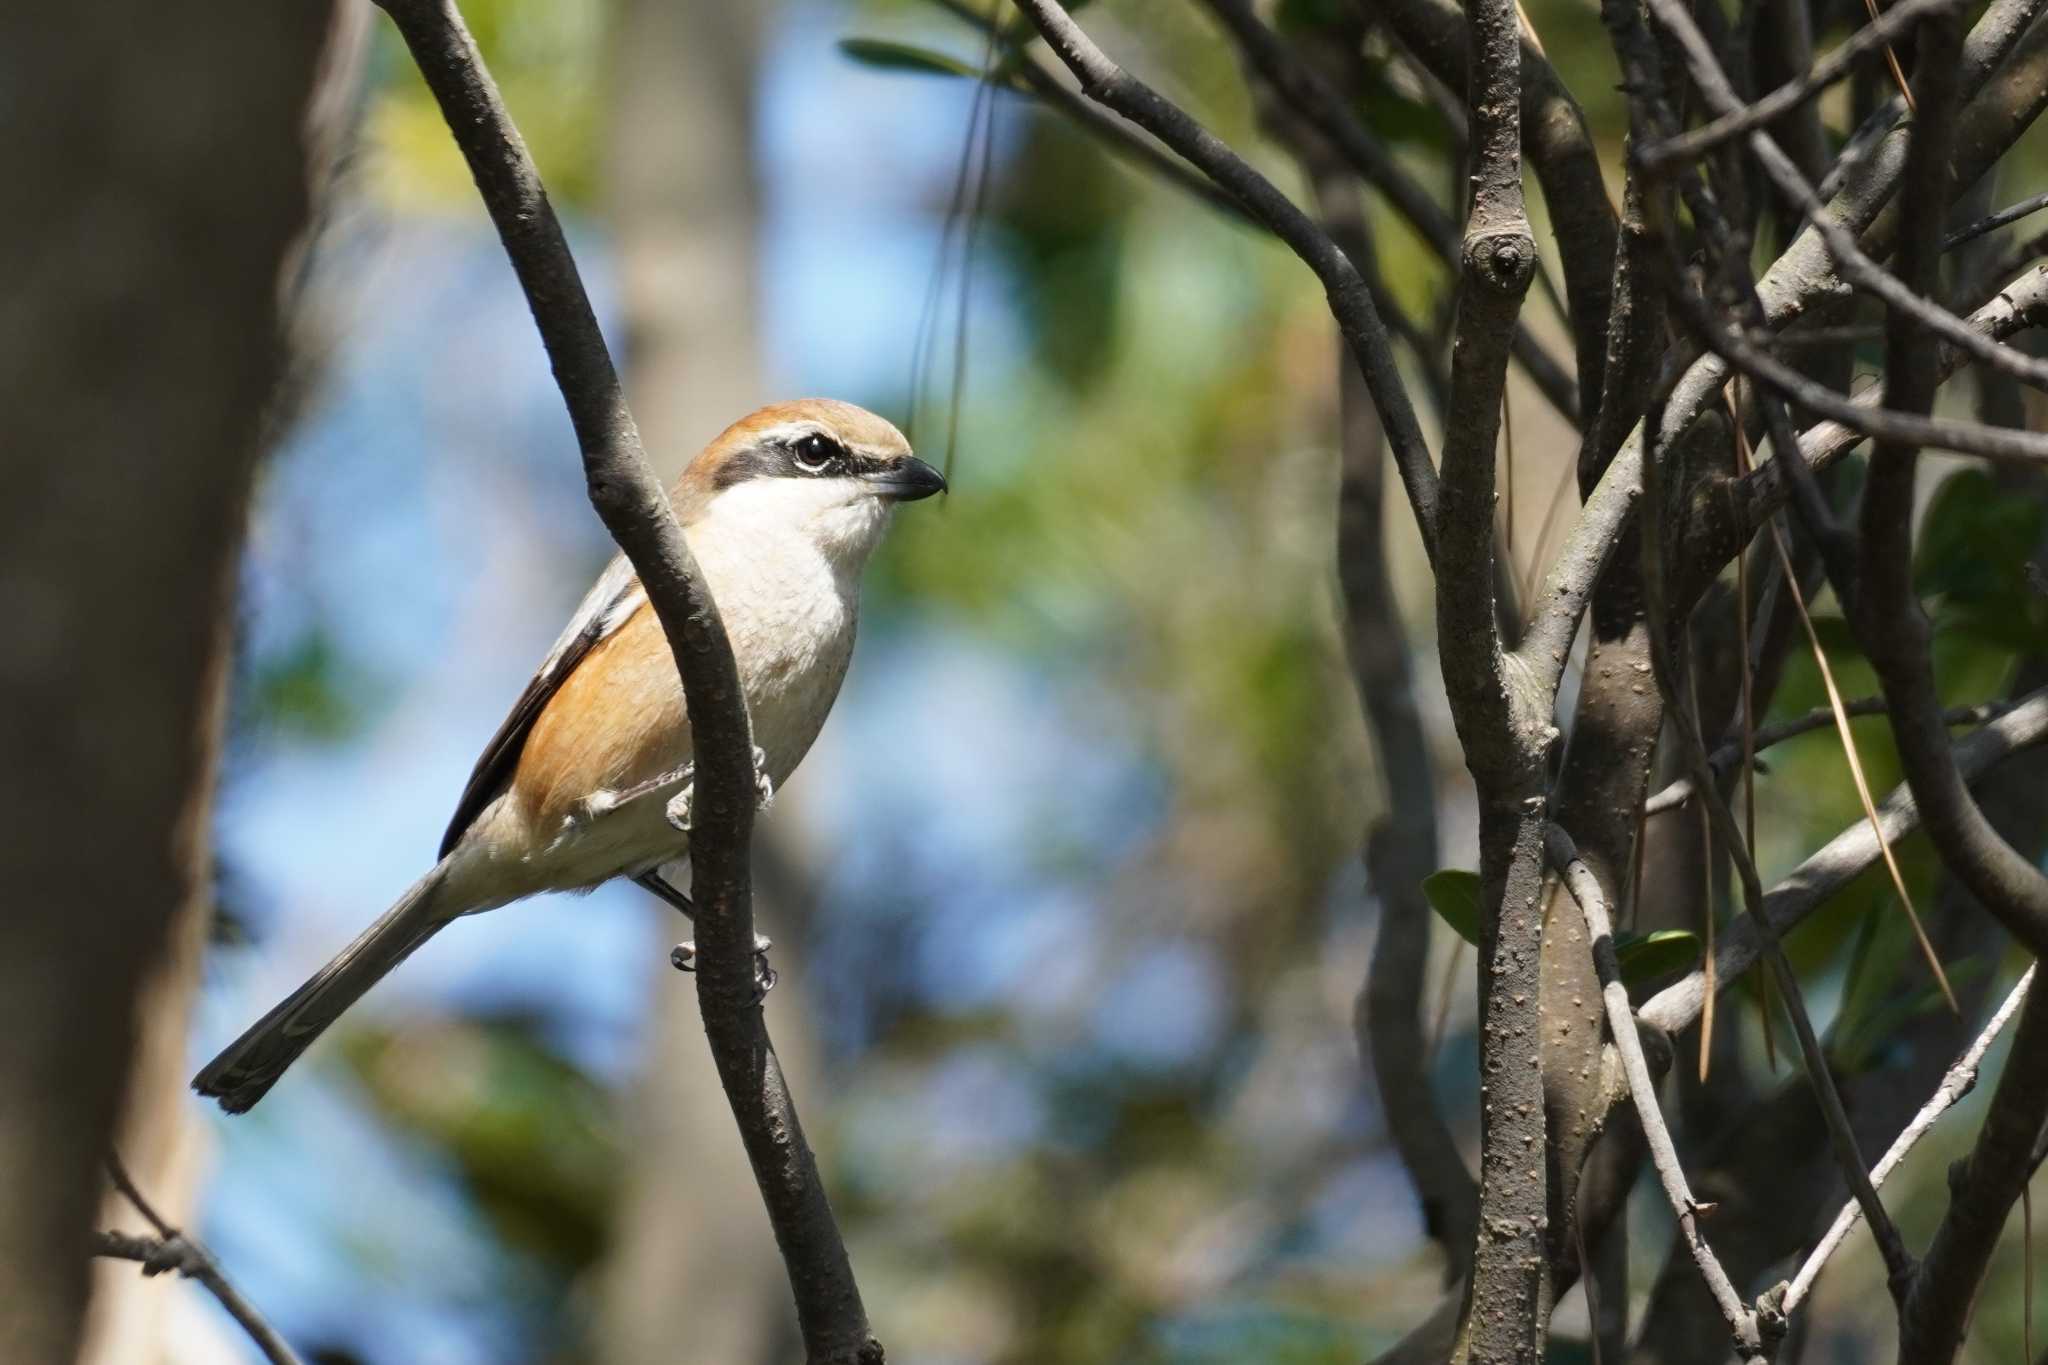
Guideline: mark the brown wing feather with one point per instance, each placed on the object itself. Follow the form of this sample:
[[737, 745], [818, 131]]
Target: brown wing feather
[[607, 606]]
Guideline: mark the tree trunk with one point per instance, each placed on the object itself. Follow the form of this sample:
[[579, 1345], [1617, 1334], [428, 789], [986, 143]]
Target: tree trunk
[[158, 180]]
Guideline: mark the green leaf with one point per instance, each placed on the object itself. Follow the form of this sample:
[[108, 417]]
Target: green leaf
[[1454, 894], [1973, 542], [1643, 956], [884, 55]]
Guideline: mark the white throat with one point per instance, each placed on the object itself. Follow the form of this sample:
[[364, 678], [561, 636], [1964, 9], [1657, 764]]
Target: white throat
[[840, 521]]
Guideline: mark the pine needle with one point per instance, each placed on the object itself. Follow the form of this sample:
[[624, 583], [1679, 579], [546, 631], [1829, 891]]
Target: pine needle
[[1827, 678], [1891, 59]]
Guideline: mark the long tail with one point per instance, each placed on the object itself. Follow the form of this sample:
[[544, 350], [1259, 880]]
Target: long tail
[[248, 1067]]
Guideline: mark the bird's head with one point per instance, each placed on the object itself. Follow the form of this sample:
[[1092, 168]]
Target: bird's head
[[828, 471]]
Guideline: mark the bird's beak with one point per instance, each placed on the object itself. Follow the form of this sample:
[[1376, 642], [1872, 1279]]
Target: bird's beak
[[906, 481]]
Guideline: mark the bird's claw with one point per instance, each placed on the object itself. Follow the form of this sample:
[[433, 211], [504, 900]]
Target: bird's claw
[[678, 811], [683, 957]]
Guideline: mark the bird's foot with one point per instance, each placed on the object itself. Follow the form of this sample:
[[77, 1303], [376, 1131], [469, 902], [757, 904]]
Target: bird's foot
[[678, 812], [683, 957]]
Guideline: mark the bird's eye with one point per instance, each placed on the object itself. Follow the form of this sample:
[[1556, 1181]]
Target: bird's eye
[[814, 452]]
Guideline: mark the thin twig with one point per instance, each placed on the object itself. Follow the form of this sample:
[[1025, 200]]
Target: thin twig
[[1956, 1083], [1820, 718], [1855, 265], [1864, 419], [1697, 142], [1669, 666], [637, 512], [1840, 861], [171, 1249], [1621, 1026], [1890, 623], [1982, 1190], [2012, 213], [1108, 84], [1311, 96]]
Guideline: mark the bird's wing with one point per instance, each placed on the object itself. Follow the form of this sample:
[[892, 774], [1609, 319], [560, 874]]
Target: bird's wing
[[615, 597]]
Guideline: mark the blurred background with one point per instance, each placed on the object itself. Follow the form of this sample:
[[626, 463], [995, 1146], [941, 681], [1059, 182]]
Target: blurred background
[[1067, 901]]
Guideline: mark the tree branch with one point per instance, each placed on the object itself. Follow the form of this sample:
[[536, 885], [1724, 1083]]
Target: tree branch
[[1900, 296], [1982, 1190], [1695, 143], [637, 512], [1109, 85], [171, 1249], [1401, 847], [1310, 95], [1823, 875], [1820, 718], [1960, 1079], [1893, 628], [1621, 1026], [2010, 95], [1558, 147], [1669, 661]]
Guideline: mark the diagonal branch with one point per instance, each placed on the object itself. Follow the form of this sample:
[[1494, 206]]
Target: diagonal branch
[[1309, 94], [1822, 876], [637, 512], [171, 1249], [1109, 85], [1982, 1190], [1697, 142], [1959, 1080], [1621, 1026], [1900, 296], [1721, 760]]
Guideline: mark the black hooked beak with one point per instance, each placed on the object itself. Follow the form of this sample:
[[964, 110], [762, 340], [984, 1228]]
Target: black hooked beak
[[907, 480]]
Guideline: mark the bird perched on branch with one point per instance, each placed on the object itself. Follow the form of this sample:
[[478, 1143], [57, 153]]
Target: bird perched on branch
[[589, 778]]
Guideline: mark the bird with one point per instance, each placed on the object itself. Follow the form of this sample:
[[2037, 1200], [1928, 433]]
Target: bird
[[589, 777]]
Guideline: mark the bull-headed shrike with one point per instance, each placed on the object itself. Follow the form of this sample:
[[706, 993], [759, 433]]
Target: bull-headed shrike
[[589, 777]]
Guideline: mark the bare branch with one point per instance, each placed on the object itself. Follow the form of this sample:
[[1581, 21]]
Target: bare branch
[[1730, 752], [2003, 61], [1982, 1190], [1861, 271], [1670, 670], [637, 512], [1697, 142], [171, 1249], [1621, 1026], [1893, 628], [1401, 848], [1823, 875], [1505, 730], [1992, 222], [1960, 1079], [1117, 90], [1558, 147], [2022, 304], [1863, 419], [1310, 95]]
